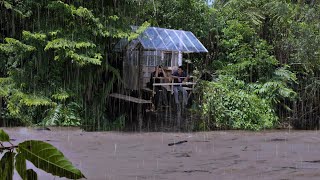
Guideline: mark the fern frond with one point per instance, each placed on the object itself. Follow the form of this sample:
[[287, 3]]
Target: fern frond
[[62, 43], [82, 59], [31, 100], [61, 96], [27, 35], [54, 116], [285, 74], [13, 46]]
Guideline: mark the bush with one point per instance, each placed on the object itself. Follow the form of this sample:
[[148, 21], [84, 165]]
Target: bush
[[228, 104]]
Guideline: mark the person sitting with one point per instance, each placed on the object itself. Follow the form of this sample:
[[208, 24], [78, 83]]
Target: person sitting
[[160, 91], [179, 77]]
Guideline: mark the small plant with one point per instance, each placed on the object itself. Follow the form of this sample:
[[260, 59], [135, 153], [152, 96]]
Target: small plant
[[43, 155], [63, 115]]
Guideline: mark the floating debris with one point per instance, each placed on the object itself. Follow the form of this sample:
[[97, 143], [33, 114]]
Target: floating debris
[[179, 142]]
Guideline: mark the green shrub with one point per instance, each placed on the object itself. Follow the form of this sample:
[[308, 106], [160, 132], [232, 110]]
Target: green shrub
[[63, 115], [228, 104]]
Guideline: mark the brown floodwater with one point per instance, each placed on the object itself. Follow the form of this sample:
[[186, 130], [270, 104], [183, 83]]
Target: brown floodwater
[[281, 154]]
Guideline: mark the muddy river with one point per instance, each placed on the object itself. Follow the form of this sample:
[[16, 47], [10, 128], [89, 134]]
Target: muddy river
[[283, 154]]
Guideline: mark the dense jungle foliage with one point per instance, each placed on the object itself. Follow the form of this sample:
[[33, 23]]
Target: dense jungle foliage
[[57, 64]]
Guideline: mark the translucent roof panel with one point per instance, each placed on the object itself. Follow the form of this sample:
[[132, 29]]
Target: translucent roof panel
[[147, 39], [195, 41], [175, 36], [170, 40]]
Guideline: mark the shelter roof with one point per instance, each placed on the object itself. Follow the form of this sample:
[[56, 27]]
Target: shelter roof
[[155, 38]]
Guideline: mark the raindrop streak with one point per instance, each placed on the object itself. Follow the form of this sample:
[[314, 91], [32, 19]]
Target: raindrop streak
[[115, 149], [276, 150]]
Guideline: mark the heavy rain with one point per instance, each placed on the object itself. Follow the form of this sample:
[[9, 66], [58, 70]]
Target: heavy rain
[[159, 89]]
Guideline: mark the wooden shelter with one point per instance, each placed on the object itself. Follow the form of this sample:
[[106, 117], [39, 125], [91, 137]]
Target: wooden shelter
[[155, 46]]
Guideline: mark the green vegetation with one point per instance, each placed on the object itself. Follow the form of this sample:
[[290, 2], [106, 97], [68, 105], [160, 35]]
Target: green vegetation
[[231, 105], [41, 154], [58, 66]]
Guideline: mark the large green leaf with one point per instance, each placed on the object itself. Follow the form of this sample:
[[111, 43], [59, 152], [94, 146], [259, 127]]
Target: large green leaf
[[7, 166], [48, 158], [31, 175], [4, 136], [21, 166]]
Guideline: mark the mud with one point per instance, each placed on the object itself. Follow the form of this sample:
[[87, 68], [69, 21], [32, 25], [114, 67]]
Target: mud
[[283, 154]]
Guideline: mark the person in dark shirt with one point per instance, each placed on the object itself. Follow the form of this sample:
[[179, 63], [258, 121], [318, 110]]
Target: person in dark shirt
[[179, 77], [161, 91]]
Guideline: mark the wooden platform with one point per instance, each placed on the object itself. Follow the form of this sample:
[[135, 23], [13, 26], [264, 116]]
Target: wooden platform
[[148, 90], [130, 98]]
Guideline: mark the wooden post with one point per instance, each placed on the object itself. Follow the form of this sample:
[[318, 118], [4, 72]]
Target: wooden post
[[140, 116], [140, 81]]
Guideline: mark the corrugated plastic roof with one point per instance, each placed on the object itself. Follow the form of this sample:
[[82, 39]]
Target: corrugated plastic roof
[[154, 38]]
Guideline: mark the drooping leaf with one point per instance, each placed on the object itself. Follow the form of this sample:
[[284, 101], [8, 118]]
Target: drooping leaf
[[7, 166], [4, 136], [7, 5], [21, 166], [48, 158], [31, 175]]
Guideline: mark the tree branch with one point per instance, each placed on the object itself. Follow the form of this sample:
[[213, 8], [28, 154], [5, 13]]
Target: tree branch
[[7, 147]]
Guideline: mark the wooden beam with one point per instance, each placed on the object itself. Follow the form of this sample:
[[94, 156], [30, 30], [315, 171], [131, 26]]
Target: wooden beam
[[130, 98]]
